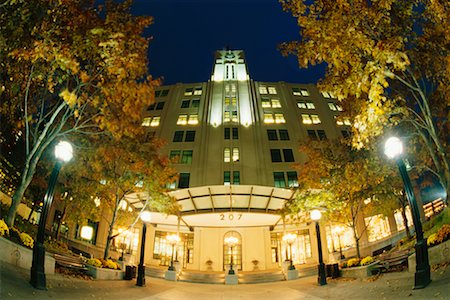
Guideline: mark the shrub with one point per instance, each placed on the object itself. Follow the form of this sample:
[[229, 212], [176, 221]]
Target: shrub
[[4, 230], [354, 262], [431, 240], [26, 239], [366, 261], [110, 264], [94, 262], [344, 265], [443, 234]]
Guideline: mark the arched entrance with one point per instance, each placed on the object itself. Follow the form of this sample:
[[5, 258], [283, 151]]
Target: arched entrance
[[237, 251]]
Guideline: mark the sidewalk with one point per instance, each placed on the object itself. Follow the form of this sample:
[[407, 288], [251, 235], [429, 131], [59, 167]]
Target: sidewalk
[[14, 285]]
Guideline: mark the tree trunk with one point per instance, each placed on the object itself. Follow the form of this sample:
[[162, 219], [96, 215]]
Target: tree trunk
[[110, 232], [405, 222]]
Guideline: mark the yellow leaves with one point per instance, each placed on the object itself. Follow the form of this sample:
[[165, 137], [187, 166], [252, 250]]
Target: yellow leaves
[[84, 76], [69, 97]]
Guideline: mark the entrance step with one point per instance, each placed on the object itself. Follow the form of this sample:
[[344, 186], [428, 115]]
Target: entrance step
[[261, 276], [307, 270], [154, 271], [202, 277]]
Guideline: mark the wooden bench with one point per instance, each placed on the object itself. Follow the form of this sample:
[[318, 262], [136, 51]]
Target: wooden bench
[[393, 261], [71, 262]]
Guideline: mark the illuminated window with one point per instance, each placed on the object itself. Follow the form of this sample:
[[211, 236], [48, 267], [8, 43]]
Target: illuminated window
[[334, 107], [272, 90], [182, 120], [399, 218], [327, 95], [233, 101], [226, 155], [347, 121], [155, 121], [310, 119], [265, 103], [377, 227], [234, 116], [146, 122], [268, 119], [235, 154], [276, 103], [189, 92], [226, 116], [263, 90], [305, 105], [343, 121], [193, 120], [310, 105], [279, 118], [300, 92], [198, 91]]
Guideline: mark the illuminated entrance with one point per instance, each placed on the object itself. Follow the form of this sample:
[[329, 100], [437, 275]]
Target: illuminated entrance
[[237, 251]]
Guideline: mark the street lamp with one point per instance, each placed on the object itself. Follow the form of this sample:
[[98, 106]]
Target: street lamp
[[173, 239], [339, 230], [322, 278], [290, 239], [63, 153], [394, 149], [231, 241], [145, 216]]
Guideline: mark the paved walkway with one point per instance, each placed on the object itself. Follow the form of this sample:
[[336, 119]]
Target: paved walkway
[[14, 285]]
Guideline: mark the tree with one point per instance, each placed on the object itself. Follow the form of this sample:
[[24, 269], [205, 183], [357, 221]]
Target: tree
[[387, 62], [113, 170], [71, 67], [341, 180]]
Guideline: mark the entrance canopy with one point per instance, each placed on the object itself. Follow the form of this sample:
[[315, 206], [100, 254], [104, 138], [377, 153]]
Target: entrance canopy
[[224, 206]]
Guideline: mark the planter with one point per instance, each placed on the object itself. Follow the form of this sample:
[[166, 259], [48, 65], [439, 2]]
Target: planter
[[105, 274], [437, 255], [359, 272], [22, 257]]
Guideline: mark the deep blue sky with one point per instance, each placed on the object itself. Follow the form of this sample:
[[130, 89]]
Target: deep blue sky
[[187, 32]]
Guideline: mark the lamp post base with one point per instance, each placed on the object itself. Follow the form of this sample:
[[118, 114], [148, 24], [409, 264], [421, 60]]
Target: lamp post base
[[140, 281], [422, 275], [37, 276], [322, 278]]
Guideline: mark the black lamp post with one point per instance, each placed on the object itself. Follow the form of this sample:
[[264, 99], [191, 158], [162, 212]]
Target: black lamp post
[[145, 217], [393, 149], [289, 239], [231, 241], [322, 277], [63, 153]]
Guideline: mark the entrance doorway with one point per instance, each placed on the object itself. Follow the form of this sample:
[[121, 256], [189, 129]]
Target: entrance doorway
[[237, 251]]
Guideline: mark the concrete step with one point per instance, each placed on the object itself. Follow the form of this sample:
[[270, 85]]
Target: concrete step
[[153, 271], [260, 277], [307, 270], [202, 277]]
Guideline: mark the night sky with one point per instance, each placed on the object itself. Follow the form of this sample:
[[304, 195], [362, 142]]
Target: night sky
[[187, 32]]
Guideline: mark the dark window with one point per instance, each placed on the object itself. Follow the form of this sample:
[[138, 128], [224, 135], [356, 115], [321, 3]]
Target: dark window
[[236, 177], [160, 105], [164, 93], [272, 135], [157, 93], [175, 156], [186, 157], [226, 133], [284, 135], [152, 107], [235, 134], [226, 177], [178, 136], [195, 103], [278, 178], [190, 136], [288, 155], [292, 179], [185, 104], [276, 155], [321, 134], [184, 180], [312, 135]]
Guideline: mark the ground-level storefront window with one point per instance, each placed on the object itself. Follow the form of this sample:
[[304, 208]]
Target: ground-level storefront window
[[183, 251]]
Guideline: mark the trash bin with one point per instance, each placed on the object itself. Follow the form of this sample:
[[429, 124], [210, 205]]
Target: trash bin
[[332, 270], [130, 272]]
